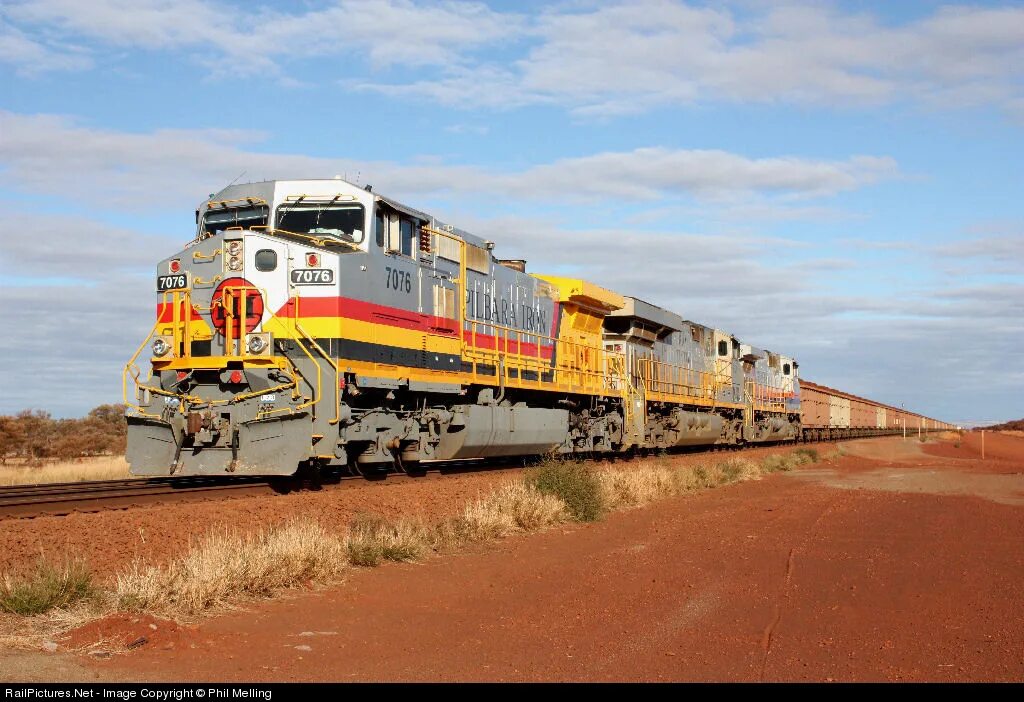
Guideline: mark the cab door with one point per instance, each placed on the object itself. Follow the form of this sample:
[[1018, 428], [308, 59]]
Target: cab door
[[268, 268], [722, 350]]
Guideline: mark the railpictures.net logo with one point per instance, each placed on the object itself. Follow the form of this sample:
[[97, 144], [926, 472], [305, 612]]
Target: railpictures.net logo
[[213, 693]]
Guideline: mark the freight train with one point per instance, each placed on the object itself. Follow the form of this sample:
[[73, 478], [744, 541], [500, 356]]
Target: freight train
[[317, 324]]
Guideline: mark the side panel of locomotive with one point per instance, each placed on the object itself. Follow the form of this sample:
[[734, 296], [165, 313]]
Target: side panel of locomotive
[[702, 385]]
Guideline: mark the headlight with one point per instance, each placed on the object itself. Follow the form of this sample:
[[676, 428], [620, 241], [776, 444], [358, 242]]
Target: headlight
[[234, 248], [257, 344], [235, 263], [160, 346]]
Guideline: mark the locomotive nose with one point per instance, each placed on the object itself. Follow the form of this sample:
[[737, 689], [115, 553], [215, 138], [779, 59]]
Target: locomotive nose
[[236, 307]]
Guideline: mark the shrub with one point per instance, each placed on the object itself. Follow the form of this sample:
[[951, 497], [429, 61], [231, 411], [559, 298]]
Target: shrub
[[573, 483], [47, 587]]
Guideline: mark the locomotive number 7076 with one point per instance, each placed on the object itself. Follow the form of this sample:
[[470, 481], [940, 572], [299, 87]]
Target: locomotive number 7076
[[398, 280]]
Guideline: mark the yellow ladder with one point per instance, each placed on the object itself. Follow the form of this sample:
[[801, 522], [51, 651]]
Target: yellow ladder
[[748, 402], [634, 406]]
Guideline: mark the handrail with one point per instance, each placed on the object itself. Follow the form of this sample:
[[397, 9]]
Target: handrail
[[137, 372], [327, 357], [180, 328], [200, 256]]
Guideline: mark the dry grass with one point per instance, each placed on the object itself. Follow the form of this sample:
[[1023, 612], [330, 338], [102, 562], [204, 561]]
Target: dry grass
[[372, 540], [46, 587], [631, 487], [736, 470], [225, 565], [635, 487], [29, 633], [98, 468], [574, 483], [513, 507]]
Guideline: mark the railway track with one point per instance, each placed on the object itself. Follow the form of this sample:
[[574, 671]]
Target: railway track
[[21, 501], [60, 499]]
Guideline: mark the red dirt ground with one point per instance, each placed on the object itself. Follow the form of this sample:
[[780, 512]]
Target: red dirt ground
[[896, 562], [127, 631], [107, 541], [998, 446]]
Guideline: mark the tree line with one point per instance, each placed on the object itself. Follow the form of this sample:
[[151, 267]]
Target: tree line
[[1012, 425], [33, 435]]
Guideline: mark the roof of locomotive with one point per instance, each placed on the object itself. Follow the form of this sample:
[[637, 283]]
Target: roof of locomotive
[[273, 191]]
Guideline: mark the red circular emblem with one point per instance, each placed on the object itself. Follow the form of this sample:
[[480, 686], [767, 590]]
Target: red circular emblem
[[244, 301]]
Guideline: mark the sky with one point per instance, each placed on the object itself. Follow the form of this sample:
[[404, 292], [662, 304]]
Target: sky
[[839, 182]]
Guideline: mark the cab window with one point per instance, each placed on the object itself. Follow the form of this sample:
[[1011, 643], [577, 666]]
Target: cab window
[[266, 260], [218, 219], [723, 348], [378, 228], [337, 220], [401, 234], [407, 233]]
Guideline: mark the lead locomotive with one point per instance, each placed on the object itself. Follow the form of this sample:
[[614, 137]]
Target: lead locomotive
[[317, 323]]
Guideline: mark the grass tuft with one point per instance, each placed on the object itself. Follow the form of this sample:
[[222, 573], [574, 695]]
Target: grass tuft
[[810, 454], [226, 565], [513, 507], [631, 488], [778, 462], [372, 540], [737, 469], [45, 588], [575, 484]]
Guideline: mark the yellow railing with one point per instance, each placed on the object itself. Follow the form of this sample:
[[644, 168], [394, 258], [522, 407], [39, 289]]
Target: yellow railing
[[301, 333], [233, 304], [676, 381], [567, 365]]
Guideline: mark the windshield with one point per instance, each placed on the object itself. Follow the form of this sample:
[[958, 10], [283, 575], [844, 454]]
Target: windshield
[[342, 221], [217, 220]]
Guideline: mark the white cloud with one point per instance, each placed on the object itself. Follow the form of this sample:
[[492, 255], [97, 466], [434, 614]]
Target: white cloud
[[54, 246], [247, 40], [31, 57], [596, 59], [54, 155], [608, 60], [1006, 250]]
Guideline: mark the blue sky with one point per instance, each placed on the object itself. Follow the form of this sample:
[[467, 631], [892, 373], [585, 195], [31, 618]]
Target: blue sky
[[840, 182]]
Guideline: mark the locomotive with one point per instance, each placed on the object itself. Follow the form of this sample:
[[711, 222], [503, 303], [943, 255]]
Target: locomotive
[[315, 323]]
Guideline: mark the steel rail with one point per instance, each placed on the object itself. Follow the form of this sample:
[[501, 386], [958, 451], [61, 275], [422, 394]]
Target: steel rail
[[61, 499]]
